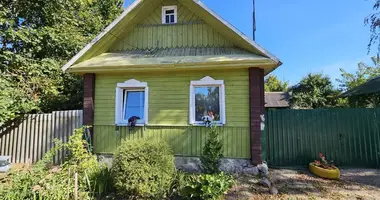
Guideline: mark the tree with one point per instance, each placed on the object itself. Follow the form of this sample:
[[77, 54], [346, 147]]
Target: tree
[[273, 84], [373, 20], [36, 39], [314, 91], [363, 74]]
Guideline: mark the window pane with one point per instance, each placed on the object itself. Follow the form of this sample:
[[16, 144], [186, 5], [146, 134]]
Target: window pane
[[134, 104], [169, 11], [171, 18], [207, 103], [167, 19]]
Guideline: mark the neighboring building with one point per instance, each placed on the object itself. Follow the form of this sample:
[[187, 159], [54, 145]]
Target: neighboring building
[[170, 63], [277, 100], [370, 87]]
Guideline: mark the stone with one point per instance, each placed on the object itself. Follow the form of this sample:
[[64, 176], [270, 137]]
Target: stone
[[273, 190], [188, 164], [245, 194], [263, 169], [193, 164], [265, 182], [251, 171]]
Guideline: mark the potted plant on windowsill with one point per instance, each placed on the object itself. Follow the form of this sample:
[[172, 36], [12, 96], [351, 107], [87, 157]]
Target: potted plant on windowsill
[[324, 169]]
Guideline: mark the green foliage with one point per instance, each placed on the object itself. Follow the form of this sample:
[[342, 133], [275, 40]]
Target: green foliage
[[36, 38], [204, 186], [143, 169], [57, 183], [314, 91], [373, 21], [363, 74], [273, 84], [212, 151]]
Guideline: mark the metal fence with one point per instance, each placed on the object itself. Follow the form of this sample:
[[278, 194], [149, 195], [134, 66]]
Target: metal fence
[[27, 139], [349, 137]]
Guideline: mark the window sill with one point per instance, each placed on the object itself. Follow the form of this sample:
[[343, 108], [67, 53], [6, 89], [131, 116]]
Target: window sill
[[127, 125], [202, 124]]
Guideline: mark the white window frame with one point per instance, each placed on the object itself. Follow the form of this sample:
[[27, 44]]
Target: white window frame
[[164, 9], [130, 85], [207, 81]]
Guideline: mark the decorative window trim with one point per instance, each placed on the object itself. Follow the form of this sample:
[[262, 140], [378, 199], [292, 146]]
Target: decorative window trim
[[207, 81], [130, 85], [163, 14]]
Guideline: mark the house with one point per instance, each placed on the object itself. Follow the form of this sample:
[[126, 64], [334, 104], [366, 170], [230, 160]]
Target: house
[[170, 63], [370, 87], [277, 100]]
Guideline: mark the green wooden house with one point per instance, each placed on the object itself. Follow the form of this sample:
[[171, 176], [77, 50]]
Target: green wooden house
[[172, 63]]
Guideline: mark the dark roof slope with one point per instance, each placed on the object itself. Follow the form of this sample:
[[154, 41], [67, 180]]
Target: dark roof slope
[[372, 86], [277, 99]]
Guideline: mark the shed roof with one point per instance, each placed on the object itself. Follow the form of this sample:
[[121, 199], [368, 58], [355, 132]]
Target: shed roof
[[277, 99], [372, 86]]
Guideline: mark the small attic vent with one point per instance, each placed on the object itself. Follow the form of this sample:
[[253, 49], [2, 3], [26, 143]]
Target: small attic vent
[[169, 14]]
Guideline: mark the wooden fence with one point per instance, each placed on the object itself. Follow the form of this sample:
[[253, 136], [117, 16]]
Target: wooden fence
[[26, 140]]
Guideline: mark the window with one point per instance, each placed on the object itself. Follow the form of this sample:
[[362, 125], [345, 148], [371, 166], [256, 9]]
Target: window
[[207, 100], [169, 14], [131, 101]]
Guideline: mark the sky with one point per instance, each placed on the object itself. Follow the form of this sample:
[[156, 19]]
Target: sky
[[308, 36]]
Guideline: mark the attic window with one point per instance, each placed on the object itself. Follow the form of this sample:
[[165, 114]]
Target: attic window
[[169, 14]]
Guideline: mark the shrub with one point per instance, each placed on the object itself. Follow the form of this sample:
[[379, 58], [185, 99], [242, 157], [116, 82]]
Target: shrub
[[212, 152], [204, 186], [143, 169], [45, 182]]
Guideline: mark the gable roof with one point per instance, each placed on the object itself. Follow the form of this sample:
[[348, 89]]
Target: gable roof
[[131, 16]]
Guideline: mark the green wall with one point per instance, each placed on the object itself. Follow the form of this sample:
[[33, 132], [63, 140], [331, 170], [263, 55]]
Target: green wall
[[169, 109], [190, 31], [169, 96], [184, 141]]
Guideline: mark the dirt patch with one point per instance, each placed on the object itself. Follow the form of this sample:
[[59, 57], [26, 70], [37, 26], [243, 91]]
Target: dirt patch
[[300, 184]]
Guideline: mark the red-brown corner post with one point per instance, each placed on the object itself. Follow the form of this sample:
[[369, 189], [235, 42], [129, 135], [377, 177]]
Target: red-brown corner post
[[256, 109], [88, 99]]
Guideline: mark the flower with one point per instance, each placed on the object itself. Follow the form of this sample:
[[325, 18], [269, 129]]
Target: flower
[[323, 163]]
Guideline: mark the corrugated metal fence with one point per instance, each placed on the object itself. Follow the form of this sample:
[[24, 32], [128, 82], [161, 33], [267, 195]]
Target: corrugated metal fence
[[28, 139], [349, 137]]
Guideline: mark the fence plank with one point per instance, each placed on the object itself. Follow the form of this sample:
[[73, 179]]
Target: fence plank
[[32, 137]]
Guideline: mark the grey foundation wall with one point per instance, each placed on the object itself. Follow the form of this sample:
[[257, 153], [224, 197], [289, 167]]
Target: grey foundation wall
[[193, 164]]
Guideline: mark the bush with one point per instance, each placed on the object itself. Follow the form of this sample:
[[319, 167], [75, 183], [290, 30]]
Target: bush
[[143, 169], [212, 152], [45, 182], [204, 186]]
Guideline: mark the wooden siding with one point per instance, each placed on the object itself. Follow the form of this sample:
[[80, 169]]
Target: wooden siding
[[184, 141], [190, 31], [169, 96]]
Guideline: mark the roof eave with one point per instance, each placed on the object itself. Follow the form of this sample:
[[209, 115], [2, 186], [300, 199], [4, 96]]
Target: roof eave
[[265, 64]]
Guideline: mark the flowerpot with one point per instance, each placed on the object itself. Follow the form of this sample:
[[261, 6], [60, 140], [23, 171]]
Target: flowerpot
[[324, 173]]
